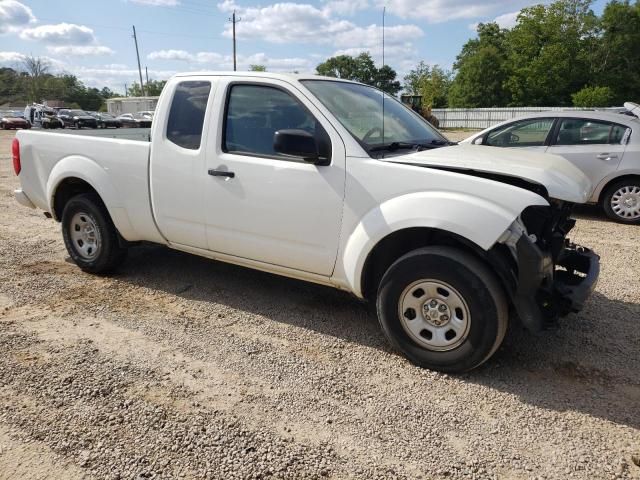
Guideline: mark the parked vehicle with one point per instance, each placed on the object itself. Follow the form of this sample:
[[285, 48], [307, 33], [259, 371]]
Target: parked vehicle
[[135, 120], [604, 145], [106, 120], [77, 119], [9, 120], [298, 176]]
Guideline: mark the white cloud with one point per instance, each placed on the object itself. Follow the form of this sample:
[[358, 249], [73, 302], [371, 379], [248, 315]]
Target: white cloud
[[157, 3], [507, 20], [304, 23], [14, 15], [80, 50], [10, 59], [181, 55], [224, 62], [346, 7], [444, 10], [60, 34]]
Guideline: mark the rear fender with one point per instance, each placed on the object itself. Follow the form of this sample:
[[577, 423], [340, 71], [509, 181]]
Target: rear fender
[[83, 168]]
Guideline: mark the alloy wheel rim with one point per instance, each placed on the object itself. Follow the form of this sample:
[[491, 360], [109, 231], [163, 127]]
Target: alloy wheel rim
[[625, 202], [434, 315], [85, 236]]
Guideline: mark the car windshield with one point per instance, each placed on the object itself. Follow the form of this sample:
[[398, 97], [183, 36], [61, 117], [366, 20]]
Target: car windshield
[[359, 108], [79, 113], [8, 115], [106, 115]]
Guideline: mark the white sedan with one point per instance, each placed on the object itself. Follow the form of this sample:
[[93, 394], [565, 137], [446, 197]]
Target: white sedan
[[604, 145]]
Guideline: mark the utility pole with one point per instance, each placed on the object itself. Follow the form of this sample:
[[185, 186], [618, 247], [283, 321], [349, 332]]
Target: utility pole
[[146, 73], [234, 20], [135, 39], [126, 92]]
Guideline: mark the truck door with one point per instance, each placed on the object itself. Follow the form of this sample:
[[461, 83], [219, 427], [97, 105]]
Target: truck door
[[262, 205], [177, 163]]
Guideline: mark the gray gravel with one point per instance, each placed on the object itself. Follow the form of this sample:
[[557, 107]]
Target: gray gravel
[[181, 367]]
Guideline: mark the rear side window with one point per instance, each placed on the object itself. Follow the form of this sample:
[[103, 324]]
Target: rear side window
[[524, 133], [186, 116], [584, 131]]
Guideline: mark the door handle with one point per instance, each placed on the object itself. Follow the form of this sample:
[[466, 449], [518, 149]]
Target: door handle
[[221, 173], [607, 156]]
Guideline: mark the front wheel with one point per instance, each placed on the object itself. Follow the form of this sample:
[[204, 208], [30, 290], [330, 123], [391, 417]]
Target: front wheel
[[90, 236], [621, 201], [443, 309]]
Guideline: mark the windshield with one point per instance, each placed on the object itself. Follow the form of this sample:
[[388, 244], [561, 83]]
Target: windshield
[[359, 109], [106, 115], [79, 113]]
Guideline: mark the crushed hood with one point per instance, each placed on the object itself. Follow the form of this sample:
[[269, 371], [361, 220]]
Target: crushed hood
[[562, 180]]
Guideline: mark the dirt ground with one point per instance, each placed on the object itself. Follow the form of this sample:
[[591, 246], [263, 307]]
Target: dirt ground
[[181, 367]]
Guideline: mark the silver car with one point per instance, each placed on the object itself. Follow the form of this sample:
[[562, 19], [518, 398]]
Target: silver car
[[604, 145]]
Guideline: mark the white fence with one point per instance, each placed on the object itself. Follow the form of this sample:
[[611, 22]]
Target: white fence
[[481, 118]]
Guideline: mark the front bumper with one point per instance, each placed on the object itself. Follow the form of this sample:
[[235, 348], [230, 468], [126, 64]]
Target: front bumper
[[546, 291]]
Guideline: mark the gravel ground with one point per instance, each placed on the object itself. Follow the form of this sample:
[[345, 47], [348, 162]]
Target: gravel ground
[[181, 367]]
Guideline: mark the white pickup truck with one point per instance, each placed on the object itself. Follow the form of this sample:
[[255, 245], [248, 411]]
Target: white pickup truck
[[300, 176]]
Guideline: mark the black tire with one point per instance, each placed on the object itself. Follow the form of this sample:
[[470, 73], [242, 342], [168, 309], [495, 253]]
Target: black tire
[[108, 254], [607, 199], [474, 283]]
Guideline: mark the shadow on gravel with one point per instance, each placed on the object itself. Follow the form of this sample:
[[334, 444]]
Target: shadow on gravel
[[591, 364]]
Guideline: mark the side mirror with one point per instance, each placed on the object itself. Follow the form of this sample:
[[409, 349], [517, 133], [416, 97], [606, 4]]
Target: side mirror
[[479, 140], [297, 143]]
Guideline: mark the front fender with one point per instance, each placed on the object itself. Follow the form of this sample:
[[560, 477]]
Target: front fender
[[83, 168], [478, 220]]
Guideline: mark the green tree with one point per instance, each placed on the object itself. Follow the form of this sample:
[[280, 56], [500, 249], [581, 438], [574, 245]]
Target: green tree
[[590, 97], [481, 70], [431, 82], [361, 69], [617, 61], [257, 68], [152, 88], [549, 52]]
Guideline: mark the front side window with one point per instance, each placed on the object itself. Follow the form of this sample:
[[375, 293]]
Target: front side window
[[359, 109], [583, 131], [186, 116], [525, 133], [256, 112]]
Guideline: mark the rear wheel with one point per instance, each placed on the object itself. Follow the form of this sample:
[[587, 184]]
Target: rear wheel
[[90, 236], [443, 309], [621, 201]]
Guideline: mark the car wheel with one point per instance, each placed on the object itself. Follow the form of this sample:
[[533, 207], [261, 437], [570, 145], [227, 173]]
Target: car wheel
[[443, 309], [90, 236], [621, 201], [4, 126]]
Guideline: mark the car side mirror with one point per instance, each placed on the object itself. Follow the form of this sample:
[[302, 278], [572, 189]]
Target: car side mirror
[[297, 143], [479, 140]]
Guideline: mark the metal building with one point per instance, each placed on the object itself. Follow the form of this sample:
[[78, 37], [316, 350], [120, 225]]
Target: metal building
[[120, 105]]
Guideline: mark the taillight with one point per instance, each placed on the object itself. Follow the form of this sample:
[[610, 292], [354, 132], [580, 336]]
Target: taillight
[[15, 154]]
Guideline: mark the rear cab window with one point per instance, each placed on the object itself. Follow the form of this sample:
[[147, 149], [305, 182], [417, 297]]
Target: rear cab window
[[187, 112]]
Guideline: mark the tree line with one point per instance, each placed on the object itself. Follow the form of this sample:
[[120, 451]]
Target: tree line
[[559, 54]]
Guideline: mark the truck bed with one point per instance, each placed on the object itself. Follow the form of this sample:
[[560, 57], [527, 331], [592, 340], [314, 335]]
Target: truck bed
[[140, 134], [114, 162]]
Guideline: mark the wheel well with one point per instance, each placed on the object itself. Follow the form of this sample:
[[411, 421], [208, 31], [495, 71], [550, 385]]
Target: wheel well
[[396, 244], [69, 188], [613, 181]]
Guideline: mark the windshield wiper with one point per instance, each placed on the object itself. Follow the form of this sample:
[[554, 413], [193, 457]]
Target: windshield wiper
[[417, 146]]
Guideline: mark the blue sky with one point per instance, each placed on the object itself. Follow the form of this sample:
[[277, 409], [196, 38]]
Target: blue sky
[[92, 38]]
